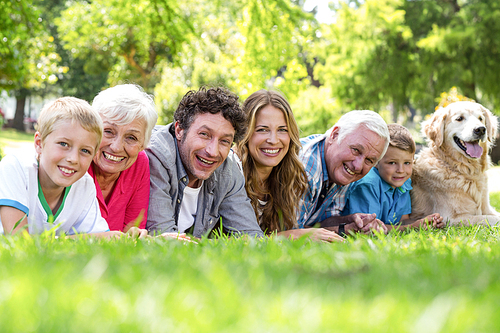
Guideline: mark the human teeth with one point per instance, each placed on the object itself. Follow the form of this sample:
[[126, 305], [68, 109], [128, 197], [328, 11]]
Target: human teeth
[[270, 151], [205, 161], [113, 158], [67, 170], [348, 170]]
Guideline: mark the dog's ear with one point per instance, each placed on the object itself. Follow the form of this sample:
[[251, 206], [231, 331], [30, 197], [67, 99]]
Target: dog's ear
[[433, 128], [491, 123]]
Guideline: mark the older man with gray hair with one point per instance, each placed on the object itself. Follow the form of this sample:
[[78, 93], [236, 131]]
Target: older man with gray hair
[[344, 154]]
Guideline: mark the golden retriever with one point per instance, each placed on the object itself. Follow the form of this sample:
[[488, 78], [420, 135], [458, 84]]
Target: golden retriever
[[449, 176]]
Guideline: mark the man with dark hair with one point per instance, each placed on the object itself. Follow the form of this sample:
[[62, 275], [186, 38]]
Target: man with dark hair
[[195, 182]]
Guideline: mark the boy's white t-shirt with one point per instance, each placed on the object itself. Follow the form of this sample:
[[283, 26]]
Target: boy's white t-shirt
[[189, 207], [19, 189]]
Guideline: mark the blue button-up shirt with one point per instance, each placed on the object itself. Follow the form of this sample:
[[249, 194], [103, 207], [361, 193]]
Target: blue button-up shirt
[[312, 156], [371, 194]]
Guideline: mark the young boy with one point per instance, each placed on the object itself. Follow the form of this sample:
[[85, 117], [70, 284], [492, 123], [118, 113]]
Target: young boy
[[54, 184], [385, 190]]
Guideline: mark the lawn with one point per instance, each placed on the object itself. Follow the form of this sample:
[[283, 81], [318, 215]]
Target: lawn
[[14, 139], [9, 135], [438, 281]]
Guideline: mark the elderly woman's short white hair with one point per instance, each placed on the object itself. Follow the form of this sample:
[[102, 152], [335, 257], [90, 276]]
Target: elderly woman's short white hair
[[124, 103], [353, 120]]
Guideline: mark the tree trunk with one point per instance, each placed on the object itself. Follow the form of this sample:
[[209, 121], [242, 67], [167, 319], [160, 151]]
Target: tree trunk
[[394, 111], [413, 111], [18, 123]]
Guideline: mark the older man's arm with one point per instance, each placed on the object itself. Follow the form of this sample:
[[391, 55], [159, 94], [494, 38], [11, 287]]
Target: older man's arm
[[358, 222], [361, 209], [161, 210]]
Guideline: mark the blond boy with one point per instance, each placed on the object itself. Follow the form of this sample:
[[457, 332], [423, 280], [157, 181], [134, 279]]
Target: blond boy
[[54, 186], [385, 190]]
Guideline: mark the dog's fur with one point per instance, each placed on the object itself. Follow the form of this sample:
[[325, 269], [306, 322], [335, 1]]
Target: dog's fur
[[448, 180]]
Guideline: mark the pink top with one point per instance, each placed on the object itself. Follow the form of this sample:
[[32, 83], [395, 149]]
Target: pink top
[[129, 197]]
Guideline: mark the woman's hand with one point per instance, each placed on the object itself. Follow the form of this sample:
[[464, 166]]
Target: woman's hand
[[314, 234], [137, 232]]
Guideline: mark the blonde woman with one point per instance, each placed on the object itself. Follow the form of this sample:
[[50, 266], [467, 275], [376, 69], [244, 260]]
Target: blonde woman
[[274, 176]]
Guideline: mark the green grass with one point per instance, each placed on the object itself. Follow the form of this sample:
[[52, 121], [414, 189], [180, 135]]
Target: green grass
[[421, 281], [495, 200], [10, 134]]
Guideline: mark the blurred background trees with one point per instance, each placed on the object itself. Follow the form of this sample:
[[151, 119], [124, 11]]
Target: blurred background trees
[[393, 56]]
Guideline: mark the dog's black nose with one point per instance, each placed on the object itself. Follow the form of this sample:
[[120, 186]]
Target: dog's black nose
[[479, 131]]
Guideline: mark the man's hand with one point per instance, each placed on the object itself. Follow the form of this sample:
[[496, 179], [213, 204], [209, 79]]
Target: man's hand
[[365, 223], [375, 226], [361, 219], [174, 235]]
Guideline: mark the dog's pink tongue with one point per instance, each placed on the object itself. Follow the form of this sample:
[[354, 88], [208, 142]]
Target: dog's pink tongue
[[474, 149]]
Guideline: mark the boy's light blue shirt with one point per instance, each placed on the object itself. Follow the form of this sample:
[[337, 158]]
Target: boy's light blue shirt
[[371, 194]]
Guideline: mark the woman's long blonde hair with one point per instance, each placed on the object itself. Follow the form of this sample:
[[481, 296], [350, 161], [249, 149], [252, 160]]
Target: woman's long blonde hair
[[287, 181]]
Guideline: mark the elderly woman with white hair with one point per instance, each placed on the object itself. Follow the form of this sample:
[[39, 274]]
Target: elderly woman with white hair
[[121, 168]]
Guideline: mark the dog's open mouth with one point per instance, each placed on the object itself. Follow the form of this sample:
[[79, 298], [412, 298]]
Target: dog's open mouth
[[472, 149]]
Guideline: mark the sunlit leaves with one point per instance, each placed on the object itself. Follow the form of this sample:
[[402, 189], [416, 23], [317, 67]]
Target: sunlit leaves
[[28, 57], [131, 35], [243, 45]]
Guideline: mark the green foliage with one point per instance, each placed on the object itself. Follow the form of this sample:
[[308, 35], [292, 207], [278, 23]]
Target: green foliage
[[315, 110], [83, 79], [364, 52], [27, 55], [465, 49], [405, 53], [127, 37], [449, 97], [235, 52]]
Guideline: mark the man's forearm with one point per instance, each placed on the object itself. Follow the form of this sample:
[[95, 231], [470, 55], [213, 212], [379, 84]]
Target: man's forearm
[[334, 221]]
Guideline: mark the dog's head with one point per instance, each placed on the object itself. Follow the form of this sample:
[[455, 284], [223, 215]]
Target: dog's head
[[466, 126]]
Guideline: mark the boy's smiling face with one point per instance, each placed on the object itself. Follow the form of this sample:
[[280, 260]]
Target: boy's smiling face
[[396, 166], [65, 155]]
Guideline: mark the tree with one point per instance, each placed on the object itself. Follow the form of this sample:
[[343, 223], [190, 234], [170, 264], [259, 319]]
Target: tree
[[243, 45], [18, 23], [464, 49], [28, 59], [126, 37], [83, 78], [367, 56], [401, 55]]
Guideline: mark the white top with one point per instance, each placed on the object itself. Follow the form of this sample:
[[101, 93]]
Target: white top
[[189, 206], [19, 189]]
